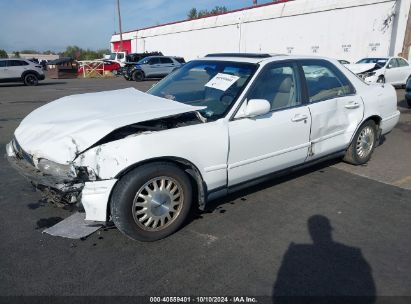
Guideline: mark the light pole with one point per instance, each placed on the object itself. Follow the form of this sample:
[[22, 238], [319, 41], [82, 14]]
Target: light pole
[[119, 24]]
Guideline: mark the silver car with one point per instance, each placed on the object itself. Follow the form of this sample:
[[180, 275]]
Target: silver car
[[155, 66]]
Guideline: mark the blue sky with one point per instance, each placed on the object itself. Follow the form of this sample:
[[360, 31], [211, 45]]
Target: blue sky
[[54, 24]]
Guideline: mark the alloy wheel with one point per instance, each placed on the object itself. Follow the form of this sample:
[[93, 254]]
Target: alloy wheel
[[365, 142], [158, 203]]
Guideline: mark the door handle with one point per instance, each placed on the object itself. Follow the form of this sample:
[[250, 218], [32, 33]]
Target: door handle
[[352, 105], [299, 117]]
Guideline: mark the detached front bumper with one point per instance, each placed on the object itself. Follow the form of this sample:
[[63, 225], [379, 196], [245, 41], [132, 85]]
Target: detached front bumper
[[55, 189], [93, 195]]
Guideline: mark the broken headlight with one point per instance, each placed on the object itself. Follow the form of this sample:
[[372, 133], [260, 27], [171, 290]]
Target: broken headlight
[[54, 169], [86, 174]]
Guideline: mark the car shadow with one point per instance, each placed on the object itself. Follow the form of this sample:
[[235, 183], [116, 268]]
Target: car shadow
[[11, 85], [324, 271]]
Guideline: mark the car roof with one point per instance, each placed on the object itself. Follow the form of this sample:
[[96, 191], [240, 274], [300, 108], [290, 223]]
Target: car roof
[[157, 56], [255, 58], [375, 58]]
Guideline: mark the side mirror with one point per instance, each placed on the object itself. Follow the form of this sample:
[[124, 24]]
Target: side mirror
[[254, 107]]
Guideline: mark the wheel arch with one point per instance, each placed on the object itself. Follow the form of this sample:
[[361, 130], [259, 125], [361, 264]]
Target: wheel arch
[[139, 71], [376, 118], [29, 72], [200, 187]]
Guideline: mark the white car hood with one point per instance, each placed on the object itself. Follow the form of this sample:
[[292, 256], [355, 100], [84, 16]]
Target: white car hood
[[61, 129], [360, 67]]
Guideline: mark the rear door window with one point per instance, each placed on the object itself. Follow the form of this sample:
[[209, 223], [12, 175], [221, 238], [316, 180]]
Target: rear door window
[[393, 63], [17, 63], [154, 60], [324, 81], [165, 60]]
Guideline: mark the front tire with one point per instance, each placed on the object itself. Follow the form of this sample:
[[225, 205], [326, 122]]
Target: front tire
[[151, 202], [363, 144], [138, 76], [30, 80]]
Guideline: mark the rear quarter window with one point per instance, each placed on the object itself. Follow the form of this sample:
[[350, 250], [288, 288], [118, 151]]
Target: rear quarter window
[[180, 60], [401, 62]]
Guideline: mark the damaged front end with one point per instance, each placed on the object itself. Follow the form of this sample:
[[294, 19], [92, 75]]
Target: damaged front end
[[370, 75], [59, 184]]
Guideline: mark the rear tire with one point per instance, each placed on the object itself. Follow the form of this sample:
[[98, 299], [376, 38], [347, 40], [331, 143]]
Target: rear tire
[[138, 76], [30, 80], [363, 144], [152, 201]]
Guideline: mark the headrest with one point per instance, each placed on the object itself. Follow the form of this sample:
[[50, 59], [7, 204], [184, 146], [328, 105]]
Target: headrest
[[285, 85]]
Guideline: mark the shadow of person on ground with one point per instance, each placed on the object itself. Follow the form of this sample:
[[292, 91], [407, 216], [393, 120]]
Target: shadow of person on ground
[[323, 272]]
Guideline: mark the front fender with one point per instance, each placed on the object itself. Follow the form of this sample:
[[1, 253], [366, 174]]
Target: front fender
[[205, 146]]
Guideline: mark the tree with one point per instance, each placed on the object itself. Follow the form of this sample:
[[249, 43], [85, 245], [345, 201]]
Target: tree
[[29, 52], [16, 54], [3, 54], [72, 51], [218, 10], [84, 54], [48, 52], [194, 13]]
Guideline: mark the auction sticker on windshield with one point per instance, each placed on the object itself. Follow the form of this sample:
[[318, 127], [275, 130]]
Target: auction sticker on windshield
[[222, 81]]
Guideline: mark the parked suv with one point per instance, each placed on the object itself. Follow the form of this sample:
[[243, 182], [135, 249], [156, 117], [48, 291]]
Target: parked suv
[[155, 66], [17, 70], [131, 60]]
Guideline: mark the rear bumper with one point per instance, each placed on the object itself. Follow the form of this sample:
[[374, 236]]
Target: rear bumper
[[388, 123]]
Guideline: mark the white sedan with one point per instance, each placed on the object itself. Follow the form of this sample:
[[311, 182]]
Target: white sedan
[[393, 70], [217, 124]]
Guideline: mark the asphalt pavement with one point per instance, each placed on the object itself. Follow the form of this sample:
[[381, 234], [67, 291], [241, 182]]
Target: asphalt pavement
[[328, 230]]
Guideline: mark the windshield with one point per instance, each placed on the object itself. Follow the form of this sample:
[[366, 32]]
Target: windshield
[[213, 84], [112, 56], [382, 61]]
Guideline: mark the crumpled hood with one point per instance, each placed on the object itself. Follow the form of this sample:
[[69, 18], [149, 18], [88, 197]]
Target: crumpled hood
[[61, 129], [360, 67]]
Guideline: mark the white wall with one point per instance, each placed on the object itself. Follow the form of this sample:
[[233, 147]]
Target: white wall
[[349, 29]]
